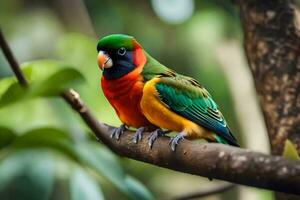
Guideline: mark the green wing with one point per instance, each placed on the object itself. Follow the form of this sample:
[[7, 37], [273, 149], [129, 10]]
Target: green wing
[[186, 97]]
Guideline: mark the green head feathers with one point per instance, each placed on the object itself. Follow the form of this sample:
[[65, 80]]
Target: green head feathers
[[123, 64], [116, 41]]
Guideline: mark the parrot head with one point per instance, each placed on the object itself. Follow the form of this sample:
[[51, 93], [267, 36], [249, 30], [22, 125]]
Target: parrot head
[[118, 55]]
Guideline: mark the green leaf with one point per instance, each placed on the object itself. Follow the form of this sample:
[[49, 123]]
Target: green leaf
[[14, 93], [290, 151], [6, 136], [5, 83], [46, 78], [137, 190], [49, 77], [39, 70], [104, 162], [27, 175], [83, 186], [53, 138], [88, 154], [58, 82]]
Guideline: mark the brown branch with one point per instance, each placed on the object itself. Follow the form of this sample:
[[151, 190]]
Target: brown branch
[[204, 193], [73, 99], [208, 160]]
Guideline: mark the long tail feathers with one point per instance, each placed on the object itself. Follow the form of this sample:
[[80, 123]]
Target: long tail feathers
[[225, 140]]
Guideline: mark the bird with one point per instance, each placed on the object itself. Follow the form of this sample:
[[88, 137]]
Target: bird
[[148, 96]]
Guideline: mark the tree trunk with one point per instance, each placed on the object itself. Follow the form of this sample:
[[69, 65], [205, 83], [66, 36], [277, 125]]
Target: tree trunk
[[272, 44]]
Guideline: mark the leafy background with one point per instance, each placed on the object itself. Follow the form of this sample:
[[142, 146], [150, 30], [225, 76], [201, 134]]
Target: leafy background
[[47, 152]]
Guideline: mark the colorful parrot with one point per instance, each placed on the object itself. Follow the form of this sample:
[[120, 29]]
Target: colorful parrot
[[151, 97]]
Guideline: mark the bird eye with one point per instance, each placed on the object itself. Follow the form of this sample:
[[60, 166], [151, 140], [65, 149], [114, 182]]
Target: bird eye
[[122, 51]]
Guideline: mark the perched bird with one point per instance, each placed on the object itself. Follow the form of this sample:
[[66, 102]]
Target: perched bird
[[149, 96]]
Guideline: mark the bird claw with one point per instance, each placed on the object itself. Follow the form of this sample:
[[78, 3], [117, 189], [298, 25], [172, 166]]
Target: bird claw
[[138, 135], [175, 140], [153, 136], [117, 132]]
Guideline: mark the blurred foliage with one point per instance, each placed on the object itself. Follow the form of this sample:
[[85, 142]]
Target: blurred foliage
[[290, 151], [46, 150], [80, 156], [46, 78]]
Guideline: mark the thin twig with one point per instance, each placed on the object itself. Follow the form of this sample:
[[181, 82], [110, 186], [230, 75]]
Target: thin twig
[[12, 60], [208, 160]]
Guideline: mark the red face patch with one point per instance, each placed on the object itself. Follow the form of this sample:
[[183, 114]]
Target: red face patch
[[139, 58]]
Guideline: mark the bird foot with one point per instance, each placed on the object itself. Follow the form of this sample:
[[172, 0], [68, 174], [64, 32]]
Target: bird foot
[[117, 132], [138, 135], [175, 140], [154, 135]]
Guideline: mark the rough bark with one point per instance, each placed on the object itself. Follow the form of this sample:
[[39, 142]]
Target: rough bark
[[272, 44]]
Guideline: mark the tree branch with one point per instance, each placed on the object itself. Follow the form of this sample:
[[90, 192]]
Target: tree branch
[[208, 160], [73, 99]]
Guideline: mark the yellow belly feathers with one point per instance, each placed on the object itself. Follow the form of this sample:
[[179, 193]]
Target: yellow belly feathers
[[159, 114]]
